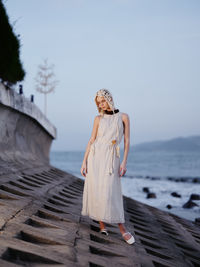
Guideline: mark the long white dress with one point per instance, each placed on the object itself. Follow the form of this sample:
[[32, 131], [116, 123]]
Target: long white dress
[[102, 194]]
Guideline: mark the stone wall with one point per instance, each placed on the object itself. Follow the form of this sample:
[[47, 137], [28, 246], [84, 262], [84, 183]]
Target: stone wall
[[25, 133]]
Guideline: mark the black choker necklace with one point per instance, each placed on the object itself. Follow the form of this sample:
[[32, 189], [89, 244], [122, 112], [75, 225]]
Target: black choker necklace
[[111, 112]]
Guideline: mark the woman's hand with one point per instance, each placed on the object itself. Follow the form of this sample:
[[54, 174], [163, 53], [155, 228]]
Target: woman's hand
[[84, 169], [122, 169]]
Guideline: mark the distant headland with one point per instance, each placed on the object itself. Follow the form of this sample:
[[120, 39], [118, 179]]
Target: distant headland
[[190, 143]]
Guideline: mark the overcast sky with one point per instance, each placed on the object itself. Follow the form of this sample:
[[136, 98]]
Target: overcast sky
[[146, 52]]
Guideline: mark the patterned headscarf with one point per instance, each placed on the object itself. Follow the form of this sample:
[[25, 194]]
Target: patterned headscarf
[[108, 97]]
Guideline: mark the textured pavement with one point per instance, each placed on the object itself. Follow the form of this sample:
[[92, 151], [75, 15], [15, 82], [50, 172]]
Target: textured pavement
[[41, 225]]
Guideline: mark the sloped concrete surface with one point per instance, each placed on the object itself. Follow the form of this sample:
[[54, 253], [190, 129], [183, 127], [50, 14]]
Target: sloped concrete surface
[[41, 225]]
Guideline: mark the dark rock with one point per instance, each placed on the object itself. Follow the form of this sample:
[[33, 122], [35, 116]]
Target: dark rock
[[151, 195], [145, 189], [155, 178], [194, 197], [169, 206], [183, 179], [197, 220], [190, 204], [175, 194], [196, 180]]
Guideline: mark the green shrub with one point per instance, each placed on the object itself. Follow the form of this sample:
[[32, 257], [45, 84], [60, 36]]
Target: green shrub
[[11, 69]]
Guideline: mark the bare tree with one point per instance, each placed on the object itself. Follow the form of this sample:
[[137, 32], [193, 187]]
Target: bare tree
[[45, 82]]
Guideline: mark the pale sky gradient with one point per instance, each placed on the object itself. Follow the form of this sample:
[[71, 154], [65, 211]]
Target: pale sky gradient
[[146, 52]]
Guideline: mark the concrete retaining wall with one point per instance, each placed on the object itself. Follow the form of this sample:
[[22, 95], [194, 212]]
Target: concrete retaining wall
[[25, 133]]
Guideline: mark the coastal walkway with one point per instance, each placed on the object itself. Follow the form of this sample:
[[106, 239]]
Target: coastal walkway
[[41, 225]]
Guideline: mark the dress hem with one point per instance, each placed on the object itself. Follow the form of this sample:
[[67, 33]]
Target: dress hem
[[104, 220]]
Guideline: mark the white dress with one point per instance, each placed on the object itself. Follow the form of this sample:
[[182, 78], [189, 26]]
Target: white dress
[[102, 194]]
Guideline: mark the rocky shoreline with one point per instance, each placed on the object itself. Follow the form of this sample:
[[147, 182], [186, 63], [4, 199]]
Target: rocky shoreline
[[169, 178], [188, 205]]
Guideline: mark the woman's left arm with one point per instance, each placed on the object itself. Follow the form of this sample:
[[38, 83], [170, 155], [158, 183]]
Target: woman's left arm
[[126, 123]]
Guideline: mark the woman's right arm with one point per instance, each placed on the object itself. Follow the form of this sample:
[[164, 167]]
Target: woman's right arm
[[91, 141]]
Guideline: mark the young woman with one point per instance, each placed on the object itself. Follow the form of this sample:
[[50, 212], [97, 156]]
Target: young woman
[[102, 194]]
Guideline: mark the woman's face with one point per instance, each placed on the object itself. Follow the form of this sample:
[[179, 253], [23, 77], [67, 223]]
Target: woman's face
[[102, 103]]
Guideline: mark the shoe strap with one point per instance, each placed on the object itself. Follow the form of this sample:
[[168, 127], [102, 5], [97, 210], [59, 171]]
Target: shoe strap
[[126, 233]]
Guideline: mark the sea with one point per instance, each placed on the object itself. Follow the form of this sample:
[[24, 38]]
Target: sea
[[162, 172]]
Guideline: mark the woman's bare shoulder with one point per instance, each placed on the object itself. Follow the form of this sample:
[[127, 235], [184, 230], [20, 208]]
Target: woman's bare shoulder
[[125, 116], [97, 118]]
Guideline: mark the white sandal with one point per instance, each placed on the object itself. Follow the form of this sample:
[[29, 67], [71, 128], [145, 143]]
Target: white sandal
[[130, 240], [103, 231]]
